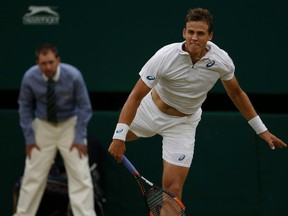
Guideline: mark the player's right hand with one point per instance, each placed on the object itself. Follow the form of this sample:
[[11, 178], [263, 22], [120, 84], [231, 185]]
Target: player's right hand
[[117, 148]]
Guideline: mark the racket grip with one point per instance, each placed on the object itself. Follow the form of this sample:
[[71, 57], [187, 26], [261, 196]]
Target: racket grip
[[128, 165]]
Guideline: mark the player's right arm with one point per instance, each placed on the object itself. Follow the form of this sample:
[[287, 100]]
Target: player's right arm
[[117, 147]]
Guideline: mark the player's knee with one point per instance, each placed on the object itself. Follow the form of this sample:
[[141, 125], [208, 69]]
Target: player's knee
[[175, 189]]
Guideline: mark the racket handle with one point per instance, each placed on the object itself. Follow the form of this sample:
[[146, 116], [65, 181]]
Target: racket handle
[[129, 166]]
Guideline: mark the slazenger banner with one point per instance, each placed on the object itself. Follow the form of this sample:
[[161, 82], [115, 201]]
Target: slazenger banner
[[41, 15]]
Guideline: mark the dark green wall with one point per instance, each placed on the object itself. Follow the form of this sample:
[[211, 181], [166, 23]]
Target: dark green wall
[[233, 171], [111, 40]]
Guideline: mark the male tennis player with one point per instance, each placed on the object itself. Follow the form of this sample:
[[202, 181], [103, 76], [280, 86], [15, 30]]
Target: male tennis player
[[167, 98]]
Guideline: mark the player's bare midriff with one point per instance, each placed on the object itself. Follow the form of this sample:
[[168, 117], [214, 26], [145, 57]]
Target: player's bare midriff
[[165, 108]]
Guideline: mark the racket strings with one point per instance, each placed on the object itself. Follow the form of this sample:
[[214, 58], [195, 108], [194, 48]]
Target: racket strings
[[163, 204]]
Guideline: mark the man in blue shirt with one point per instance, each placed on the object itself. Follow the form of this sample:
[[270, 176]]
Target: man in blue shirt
[[66, 133]]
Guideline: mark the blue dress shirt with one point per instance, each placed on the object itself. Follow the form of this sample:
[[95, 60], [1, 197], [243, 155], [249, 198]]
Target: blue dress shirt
[[72, 100]]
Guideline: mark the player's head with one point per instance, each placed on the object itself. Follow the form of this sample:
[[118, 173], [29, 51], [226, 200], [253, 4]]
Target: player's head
[[199, 14], [198, 30]]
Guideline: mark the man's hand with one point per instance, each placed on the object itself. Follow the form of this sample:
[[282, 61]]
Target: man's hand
[[272, 140], [81, 148], [117, 148], [29, 148]]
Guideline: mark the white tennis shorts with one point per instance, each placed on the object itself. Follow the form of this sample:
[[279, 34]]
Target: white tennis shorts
[[178, 133]]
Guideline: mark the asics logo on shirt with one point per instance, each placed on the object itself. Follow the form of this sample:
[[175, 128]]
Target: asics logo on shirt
[[150, 77], [119, 131], [181, 158], [210, 64]]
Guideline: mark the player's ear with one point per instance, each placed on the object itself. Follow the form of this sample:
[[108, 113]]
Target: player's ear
[[210, 36], [183, 33]]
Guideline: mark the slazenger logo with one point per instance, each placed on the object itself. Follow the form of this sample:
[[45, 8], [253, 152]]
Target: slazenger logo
[[150, 77], [210, 64], [181, 158], [41, 15], [119, 131]]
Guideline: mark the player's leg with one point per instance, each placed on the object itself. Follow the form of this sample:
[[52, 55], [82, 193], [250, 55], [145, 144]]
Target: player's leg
[[143, 124], [174, 177], [178, 150], [173, 180], [131, 136]]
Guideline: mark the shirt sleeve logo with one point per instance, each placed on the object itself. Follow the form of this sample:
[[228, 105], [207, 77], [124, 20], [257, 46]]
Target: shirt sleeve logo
[[150, 77]]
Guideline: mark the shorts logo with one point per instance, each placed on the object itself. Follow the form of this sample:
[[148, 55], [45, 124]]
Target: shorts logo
[[210, 64], [181, 158], [150, 77], [119, 131]]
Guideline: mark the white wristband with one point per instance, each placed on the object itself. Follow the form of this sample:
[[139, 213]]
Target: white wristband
[[257, 124], [121, 131]]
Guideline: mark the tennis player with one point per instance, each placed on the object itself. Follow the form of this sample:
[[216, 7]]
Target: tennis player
[[168, 96]]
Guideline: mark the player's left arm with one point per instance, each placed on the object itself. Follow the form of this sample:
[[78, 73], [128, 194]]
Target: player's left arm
[[244, 105]]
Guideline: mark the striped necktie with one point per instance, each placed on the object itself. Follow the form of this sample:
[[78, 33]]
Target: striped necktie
[[51, 101]]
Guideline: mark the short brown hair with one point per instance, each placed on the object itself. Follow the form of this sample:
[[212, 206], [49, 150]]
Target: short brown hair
[[200, 14], [45, 48]]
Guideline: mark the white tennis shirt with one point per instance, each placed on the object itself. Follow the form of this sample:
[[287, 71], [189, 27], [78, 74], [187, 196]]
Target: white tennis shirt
[[182, 84]]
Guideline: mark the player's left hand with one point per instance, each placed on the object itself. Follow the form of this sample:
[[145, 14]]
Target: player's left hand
[[272, 140]]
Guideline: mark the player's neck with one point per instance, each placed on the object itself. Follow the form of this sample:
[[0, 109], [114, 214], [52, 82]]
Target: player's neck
[[195, 57]]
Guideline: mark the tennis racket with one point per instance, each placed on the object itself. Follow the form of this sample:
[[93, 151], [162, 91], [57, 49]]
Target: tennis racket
[[159, 201]]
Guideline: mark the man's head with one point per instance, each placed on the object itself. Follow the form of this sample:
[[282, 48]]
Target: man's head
[[199, 14], [48, 59], [198, 29]]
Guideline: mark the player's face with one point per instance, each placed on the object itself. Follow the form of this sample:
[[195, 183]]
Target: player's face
[[196, 35], [48, 64]]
